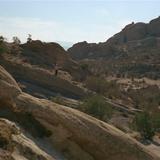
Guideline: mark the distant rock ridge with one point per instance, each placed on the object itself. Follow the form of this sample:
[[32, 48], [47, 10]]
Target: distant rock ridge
[[132, 32]]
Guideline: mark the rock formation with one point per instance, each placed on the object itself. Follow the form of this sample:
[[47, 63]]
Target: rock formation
[[134, 32], [76, 135], [46, 55]]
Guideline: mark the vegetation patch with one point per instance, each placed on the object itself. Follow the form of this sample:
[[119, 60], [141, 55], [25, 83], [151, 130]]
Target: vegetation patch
[[101, 86], [144, 125], [147, 124], [96, 106]]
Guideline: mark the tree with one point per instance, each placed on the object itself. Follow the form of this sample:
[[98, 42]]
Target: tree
[[16, 40], [1, 39], [2, 45], [29, 39]]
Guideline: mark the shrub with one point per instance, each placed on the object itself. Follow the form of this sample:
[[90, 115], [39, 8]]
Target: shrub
[[1, 39], [101, 86], [2, 48], [84, 67], [97, 107], [156, 121], [29, 39], [143, 124]]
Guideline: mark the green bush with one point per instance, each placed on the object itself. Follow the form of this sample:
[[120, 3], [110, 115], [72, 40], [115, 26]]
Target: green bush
[[1, 39], [109, 89], [84, 67], [3, 48], [97, 107], [156, 121], [144, 124]]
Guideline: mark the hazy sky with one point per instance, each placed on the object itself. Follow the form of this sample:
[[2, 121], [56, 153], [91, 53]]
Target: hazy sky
[[72, 20]]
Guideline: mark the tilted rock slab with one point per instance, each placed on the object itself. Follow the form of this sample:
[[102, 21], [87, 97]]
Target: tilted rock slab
[[77, 135]]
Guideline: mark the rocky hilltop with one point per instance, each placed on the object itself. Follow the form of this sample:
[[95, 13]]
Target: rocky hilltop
[[139, 33], [28, 123], [46, 55]]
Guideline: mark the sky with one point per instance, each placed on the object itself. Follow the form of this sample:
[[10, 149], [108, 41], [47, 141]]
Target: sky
[[72, 21]]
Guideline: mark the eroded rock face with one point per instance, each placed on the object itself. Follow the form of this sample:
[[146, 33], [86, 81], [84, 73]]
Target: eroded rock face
[[77, 135]]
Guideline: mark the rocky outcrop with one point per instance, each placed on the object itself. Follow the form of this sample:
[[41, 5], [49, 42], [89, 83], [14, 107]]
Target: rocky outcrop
[[116, 45], [131, 32], [46, 55], [77, 135], [82, 49]]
